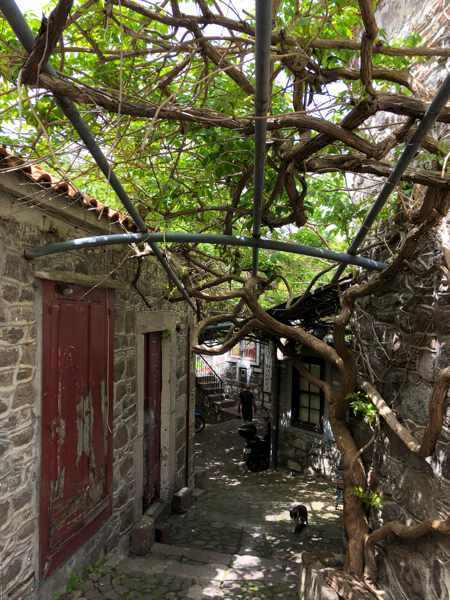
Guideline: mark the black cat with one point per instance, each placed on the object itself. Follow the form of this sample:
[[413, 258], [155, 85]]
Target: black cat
[[299, 514]]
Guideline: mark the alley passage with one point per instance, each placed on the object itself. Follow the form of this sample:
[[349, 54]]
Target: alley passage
[[235, 543]]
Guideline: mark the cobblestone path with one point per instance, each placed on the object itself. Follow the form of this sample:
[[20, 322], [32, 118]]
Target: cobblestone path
[[235, 543]]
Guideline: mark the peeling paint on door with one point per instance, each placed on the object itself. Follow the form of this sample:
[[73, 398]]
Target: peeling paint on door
[[84, 428], [76, 428]]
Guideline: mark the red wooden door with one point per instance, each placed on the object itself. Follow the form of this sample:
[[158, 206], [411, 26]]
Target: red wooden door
[[76, 463], [152, 418]]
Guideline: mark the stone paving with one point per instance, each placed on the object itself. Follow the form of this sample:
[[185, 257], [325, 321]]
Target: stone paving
[[236, 542]]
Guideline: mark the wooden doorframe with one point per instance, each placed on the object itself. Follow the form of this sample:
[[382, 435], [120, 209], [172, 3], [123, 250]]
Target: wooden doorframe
[[151, 322]]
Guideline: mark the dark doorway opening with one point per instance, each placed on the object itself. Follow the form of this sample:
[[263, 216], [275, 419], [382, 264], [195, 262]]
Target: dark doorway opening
[[152, 418]]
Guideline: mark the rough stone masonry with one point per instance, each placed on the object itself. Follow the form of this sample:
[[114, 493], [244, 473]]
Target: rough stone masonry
[[403, 340]]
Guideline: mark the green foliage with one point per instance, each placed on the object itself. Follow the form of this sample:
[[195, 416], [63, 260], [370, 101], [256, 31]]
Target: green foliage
[[74, 582], [371, 499], [182, 176], [363, 407], [99, 568]]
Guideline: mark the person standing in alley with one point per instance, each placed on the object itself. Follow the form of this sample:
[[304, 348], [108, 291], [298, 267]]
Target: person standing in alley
[[247, 403]]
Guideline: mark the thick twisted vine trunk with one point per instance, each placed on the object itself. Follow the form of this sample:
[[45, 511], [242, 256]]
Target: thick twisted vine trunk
[[433, 429], [360, 553], [355, 519], [410, 532]]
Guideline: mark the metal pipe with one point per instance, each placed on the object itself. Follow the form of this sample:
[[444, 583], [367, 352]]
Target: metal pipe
[[262, 73], [226, 240], [410, 151], [18, 24]]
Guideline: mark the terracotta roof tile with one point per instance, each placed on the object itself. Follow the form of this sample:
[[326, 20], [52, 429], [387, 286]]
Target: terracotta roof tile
[[65, 190]]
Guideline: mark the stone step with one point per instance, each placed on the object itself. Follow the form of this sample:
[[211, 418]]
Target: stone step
[[227, 403], [230, 412], [216, 397], [189, 552], [208, 567], [208, 381]]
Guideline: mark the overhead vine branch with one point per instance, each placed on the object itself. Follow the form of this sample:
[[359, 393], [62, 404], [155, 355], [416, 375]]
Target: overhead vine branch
[[49, 35]]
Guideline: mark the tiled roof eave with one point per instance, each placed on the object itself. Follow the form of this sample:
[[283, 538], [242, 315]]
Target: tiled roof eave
[[64, 192]]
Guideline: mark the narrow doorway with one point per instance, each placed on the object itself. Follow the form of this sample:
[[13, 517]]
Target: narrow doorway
[[76, 438], [152, 418]]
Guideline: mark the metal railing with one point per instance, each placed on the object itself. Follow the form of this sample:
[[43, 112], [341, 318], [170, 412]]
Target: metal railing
[[210, 389], [207, 377], [203, 368]]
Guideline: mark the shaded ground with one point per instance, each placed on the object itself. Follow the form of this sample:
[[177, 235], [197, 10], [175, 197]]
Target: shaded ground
[[236, 542], [246, 513]]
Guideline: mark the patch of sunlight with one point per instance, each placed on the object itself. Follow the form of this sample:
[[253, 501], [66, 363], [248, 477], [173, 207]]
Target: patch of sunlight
[[233, 482], [225, 575], [282, 516], [210, 592], [253, 575], [244, 561]]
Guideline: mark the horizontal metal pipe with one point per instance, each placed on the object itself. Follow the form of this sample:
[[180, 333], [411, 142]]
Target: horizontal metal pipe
[[409, 152], [226, 240], [18, 24]]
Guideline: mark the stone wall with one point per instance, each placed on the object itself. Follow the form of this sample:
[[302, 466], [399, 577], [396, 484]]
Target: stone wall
[[399, 18], [20, 313], [403, 340], [428, 19], [185, 389], [304, 451]]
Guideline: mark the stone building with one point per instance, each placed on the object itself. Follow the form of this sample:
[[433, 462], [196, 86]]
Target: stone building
[[96, 406], [403, 341], [249, 362]]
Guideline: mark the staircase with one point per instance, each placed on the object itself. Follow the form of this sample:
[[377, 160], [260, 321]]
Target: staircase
[[210, 390], [190, 573]]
